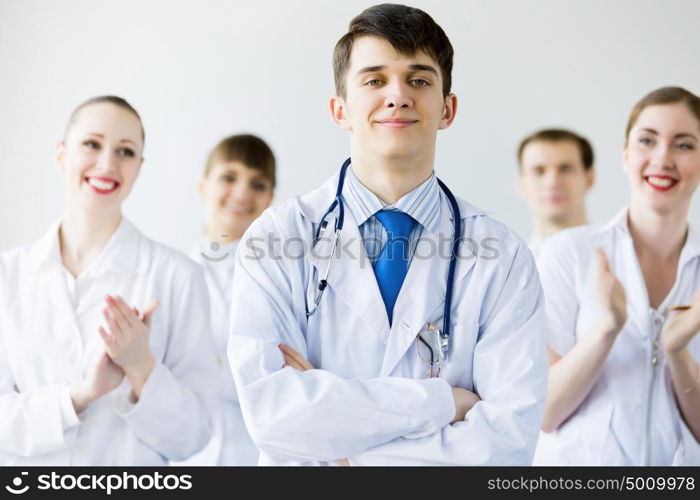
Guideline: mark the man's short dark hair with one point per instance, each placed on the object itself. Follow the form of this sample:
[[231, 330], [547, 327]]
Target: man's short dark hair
[[560, 135], [250, 150], [407, 29]]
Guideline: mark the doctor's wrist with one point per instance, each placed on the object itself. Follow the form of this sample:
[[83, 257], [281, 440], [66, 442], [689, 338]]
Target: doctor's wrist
[[138, 375], [678, 357], [610, 326], [80, 397]]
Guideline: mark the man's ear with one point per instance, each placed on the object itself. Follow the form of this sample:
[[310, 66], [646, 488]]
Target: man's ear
[[590, 178], [60, 155], [272, 198], [339, 112], [449, 111]]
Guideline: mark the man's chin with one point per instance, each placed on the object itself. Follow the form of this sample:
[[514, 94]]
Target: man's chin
[[234, 225], [557, 217], [399, 152]]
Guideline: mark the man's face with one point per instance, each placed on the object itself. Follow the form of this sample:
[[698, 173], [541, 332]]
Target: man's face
[[393, 105], [553, 179], [234, 196]]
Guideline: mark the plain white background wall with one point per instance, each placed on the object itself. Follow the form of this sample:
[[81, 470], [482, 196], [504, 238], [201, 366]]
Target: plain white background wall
[[198, 71]]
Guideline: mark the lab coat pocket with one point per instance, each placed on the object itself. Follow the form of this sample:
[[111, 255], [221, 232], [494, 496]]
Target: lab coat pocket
[[679, 455], [594, 434], [612, 452], [688, 448], [460, 370], [581, 440]]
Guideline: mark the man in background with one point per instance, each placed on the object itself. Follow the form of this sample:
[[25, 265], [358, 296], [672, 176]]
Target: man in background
[[555, 173]]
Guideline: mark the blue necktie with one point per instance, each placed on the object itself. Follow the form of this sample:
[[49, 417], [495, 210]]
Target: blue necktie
[[392, 265]]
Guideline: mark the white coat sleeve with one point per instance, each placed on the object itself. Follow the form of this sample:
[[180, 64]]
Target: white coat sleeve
[[510, 376], [312, 415], [556, 266], [173, 415], [33, 422]]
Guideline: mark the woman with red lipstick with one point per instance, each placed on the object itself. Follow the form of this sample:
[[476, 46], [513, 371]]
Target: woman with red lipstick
[[624, 363], [237, 185], [103, 356]]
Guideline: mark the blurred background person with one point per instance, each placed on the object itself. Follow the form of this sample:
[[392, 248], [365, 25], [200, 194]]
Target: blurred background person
[[555, 173], [237, 186]]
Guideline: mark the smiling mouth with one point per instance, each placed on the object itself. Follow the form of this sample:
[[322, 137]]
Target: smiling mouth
[[555, 198], [238, 211], [660, 183], [102, 185], [397, 123]]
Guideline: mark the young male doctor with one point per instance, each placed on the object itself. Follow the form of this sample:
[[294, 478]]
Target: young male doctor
[[343, 354]]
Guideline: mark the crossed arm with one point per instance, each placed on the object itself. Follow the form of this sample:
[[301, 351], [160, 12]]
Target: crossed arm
[[315, 415]]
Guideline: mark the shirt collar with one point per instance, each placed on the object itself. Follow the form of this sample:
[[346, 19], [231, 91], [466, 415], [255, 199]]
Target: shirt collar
[[120, 254], [691, 248], [619, 221], [422, 203]]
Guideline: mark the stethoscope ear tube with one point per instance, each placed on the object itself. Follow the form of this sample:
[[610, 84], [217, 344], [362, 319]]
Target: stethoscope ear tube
[[445, 333], [338, 195], [339, 221], [337, 202]]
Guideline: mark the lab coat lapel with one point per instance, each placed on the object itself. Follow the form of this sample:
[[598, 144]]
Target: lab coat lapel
[[46, 260], [636, 289], [626, 268], [422, 294], [351, 276]]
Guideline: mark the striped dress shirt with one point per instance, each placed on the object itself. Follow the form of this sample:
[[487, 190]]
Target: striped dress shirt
[[422, 203]]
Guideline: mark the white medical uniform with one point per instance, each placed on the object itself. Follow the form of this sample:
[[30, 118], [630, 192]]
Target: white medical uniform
[[366, 400], [535, 244], [630, 416], [230, 443], [49, 336]]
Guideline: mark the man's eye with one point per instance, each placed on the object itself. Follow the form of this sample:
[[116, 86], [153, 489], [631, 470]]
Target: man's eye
[[419, 82], [375, 82]]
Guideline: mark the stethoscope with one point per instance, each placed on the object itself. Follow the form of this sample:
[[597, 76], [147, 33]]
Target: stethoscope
[[444, 334]]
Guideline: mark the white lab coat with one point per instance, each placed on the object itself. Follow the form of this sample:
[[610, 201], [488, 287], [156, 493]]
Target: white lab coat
[[535, 244], [230, 443], [49, 334], [611, 426], [365, 400]]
